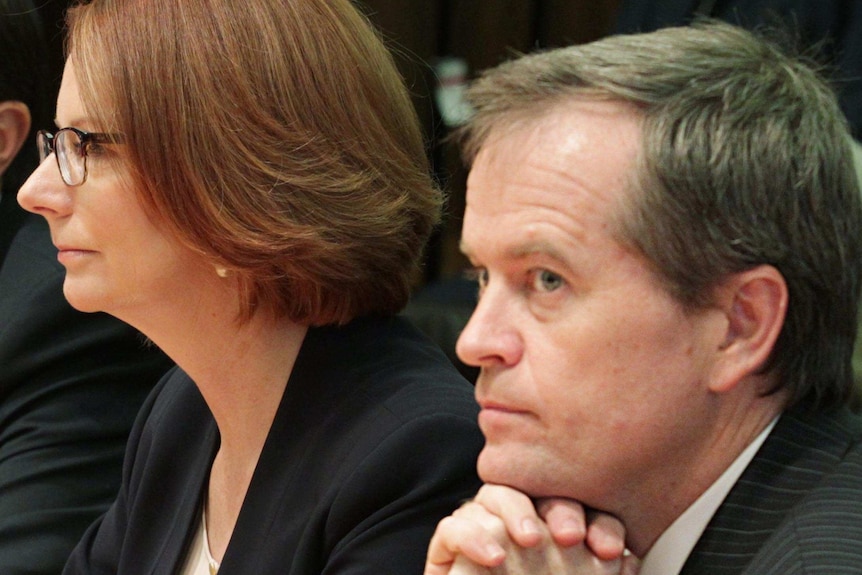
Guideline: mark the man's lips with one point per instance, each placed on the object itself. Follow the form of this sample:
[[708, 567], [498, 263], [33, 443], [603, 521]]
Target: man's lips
[[497, 406], [495, 413]]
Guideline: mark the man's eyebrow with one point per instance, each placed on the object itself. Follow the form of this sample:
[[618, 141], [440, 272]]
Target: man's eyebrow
[[524, 250], [530, 248]]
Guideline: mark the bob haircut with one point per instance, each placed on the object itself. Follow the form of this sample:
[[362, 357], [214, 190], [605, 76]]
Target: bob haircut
[[274, 137], [745, 160]]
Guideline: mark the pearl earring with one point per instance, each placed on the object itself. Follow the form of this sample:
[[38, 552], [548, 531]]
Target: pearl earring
[[221, 272]]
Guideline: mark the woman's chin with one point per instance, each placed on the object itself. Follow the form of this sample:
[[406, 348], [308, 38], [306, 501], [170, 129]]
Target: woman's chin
[[82, 299]]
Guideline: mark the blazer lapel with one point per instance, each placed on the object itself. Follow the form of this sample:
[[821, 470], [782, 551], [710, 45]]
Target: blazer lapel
[[183, 530], [791, 462]]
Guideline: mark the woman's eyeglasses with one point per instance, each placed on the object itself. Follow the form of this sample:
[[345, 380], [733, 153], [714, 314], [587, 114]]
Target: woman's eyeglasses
[[70, 147]]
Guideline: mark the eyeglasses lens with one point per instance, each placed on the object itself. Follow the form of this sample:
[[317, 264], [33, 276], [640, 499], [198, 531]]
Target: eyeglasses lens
[[67, 146]]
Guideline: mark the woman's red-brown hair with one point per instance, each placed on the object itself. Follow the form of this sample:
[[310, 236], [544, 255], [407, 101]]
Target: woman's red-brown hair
[[274, 137]]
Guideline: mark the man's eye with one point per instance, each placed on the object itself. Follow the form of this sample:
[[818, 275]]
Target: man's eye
[[546, 281]]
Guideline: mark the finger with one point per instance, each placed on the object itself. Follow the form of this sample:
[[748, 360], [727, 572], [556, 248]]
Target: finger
[[437, 569], [605, 535], [565, 518], [463, 566], [458, 535], [478, 514], [517, 512], [575, 559], [631, 565]]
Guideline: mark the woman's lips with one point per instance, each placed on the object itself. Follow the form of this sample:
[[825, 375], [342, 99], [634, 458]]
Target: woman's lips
[[69, 255]]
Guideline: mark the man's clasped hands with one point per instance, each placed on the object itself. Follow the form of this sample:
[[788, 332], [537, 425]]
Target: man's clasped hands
[[503, 531]]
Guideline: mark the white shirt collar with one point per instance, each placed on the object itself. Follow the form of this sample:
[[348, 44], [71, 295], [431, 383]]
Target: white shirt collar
[[668, 554]]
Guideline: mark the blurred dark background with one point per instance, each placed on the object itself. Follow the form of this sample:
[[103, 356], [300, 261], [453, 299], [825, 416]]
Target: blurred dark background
[[431, 36]]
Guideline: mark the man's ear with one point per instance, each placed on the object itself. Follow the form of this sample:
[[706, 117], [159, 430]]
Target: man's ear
[[754, 303], [14, 127]]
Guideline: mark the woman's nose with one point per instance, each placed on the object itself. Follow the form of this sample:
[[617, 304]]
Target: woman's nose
[[44, 192]]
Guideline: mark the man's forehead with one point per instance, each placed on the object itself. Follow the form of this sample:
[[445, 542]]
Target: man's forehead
[[588, 148], [563, 130]]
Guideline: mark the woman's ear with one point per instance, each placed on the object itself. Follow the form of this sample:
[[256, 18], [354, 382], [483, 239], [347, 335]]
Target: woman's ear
[[754, 303], [14, 127]]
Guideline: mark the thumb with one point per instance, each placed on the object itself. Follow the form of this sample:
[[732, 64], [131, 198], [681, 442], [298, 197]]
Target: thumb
[[631, 565]]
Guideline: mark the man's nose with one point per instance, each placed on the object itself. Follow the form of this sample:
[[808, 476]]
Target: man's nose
[[490, 336]]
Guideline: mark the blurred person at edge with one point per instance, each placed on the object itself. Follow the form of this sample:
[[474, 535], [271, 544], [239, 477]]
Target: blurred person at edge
[[666, 233], [246, 183], [71, 383]]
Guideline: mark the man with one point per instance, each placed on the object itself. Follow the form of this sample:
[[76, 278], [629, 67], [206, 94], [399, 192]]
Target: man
[[70, 383], [666, 232]]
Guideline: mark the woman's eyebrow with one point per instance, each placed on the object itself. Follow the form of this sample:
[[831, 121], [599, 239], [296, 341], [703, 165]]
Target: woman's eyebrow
[[80, 123]]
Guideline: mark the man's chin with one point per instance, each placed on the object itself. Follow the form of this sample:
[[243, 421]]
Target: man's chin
[[495, 466], [521, 468]]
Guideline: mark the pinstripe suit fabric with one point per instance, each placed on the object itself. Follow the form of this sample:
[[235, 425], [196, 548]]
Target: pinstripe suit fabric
[[797, 509]]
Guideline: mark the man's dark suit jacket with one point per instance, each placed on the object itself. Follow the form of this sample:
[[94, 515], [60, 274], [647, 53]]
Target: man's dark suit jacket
[[375, 441], [70, 386], [835, 26], [797, 508]]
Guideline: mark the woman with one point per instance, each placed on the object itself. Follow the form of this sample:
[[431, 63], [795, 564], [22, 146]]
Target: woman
[[245, 182]]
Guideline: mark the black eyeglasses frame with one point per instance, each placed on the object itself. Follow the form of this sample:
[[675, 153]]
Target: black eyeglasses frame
[[45, 145]]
